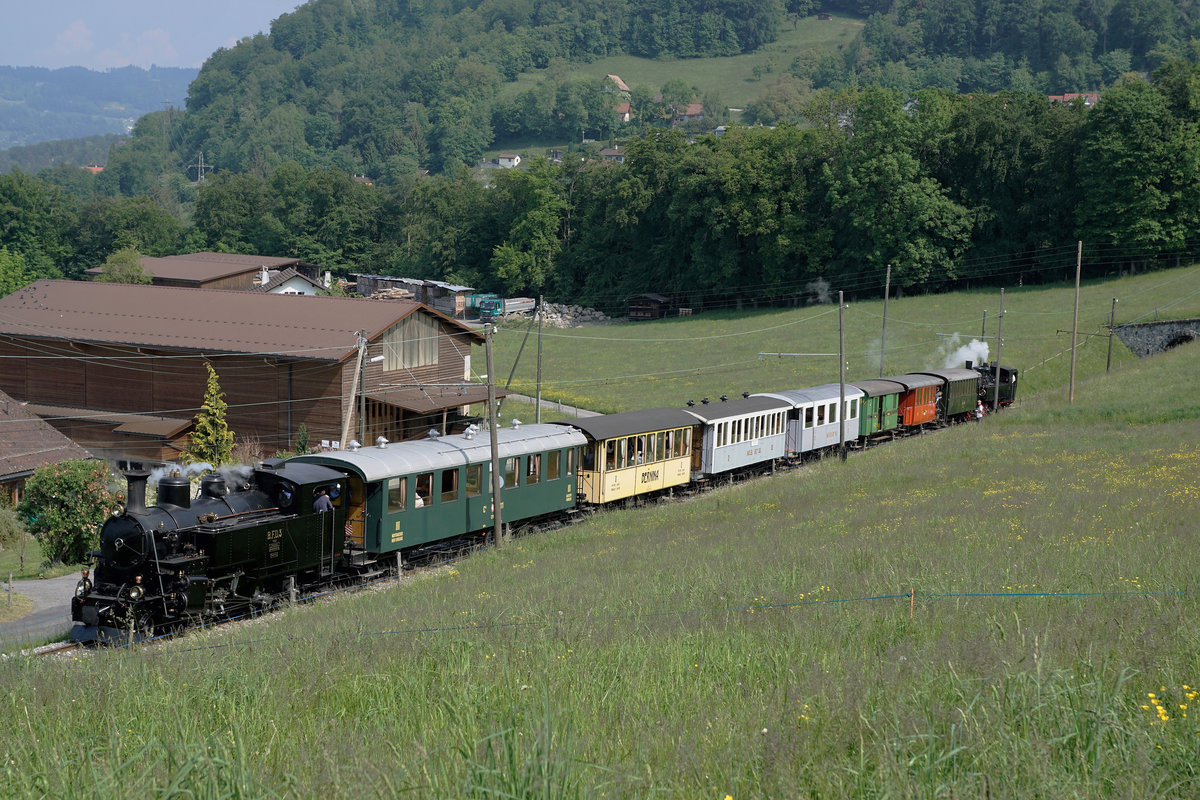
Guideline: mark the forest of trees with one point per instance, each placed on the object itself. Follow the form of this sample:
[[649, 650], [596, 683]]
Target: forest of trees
[[944, 187], [387, 88], [1051, 46]]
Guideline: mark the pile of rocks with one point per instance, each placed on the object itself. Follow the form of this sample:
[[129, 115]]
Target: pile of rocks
[[566, 316]]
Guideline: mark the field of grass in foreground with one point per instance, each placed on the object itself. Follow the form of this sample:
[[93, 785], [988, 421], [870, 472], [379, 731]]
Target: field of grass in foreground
[[668, 362], [760, 641]]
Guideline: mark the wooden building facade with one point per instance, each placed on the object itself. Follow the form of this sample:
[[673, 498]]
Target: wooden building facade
[[120, 368]]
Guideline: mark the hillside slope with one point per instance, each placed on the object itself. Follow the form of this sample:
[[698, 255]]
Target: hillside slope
[[1004, 609]]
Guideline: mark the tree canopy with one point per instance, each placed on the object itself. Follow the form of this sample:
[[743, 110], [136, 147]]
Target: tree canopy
[[64, 506]]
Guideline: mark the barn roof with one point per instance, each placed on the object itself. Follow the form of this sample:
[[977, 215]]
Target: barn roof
[[26, 442], [204, 267], [205, 320]]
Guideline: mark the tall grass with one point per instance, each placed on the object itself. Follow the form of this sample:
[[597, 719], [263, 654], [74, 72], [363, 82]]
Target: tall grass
[[1004, 609]]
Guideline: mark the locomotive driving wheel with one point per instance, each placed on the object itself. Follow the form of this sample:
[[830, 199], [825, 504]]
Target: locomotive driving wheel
[[144, 625]]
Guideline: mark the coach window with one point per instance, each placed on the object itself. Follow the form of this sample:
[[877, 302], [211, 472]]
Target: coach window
[[424, 489], [853, 408], [821, 414], [687, 441], [571, 462], [397, 494], [510, 472], [833, 412], [660, 445], [474, 480], [589, 457], [449, 485], [808, 417], [533, 469], [610, 460], [553, 463]]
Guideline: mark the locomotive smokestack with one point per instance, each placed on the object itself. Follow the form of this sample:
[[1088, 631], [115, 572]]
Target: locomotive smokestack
[[135, 499]]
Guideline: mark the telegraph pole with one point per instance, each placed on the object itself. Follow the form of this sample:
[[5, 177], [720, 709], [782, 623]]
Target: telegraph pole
[[498, 526], [842, 379], [1075, 324], [887, 289], [358, 363], [999, 347], [539, 362], [1112, 319]]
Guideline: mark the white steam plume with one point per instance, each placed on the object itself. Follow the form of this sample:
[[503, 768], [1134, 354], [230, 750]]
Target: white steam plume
[[956, 355]]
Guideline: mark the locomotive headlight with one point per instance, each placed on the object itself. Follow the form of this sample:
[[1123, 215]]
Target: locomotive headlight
[[84, 586], [136, 592]]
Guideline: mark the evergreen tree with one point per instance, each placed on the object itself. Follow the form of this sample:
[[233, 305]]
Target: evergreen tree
[[210, 441]]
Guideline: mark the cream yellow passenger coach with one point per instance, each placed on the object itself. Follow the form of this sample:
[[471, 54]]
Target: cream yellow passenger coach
[[635, 453]]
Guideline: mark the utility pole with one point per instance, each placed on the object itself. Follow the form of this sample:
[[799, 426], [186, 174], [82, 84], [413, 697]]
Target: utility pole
[[887, 289], [1075, 324], [983, 331], [362, 347], [498, 525], [999, 347], [842, 379], [1112, 319], [200, 167], [539, 363]]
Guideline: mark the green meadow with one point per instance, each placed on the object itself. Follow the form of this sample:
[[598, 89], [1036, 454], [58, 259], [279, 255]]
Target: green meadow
[[998, 610], [668, 362], [732, 78]]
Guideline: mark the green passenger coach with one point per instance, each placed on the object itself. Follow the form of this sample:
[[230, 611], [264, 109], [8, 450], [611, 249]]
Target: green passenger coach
[[429, 490]]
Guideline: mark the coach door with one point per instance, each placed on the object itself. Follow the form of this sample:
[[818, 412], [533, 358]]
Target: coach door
[[356, 512]]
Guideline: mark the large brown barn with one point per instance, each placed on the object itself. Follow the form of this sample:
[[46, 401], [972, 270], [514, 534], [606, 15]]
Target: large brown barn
[[120, 368]]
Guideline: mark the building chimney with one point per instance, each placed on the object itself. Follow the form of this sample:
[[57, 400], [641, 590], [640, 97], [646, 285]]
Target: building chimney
[[263, 277]]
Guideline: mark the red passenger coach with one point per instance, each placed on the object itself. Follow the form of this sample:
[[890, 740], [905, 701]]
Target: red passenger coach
[[918, 401]]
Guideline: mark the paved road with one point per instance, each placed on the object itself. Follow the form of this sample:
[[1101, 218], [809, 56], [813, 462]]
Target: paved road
[[51, 615]]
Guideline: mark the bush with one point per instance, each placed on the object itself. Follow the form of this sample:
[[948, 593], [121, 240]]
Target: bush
[[65, 505]]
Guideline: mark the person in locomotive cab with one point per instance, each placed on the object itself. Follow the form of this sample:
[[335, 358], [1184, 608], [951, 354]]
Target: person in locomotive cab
[[322, 502]]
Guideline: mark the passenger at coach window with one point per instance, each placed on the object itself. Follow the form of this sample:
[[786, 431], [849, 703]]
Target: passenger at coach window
[[322, 503]]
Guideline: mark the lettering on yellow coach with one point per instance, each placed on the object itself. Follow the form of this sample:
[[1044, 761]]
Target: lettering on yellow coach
[[650, 476]]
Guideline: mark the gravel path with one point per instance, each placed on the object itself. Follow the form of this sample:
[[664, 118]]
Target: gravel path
[[51, 615]]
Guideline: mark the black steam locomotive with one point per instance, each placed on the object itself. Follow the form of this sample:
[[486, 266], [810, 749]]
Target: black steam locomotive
[[184, 561]]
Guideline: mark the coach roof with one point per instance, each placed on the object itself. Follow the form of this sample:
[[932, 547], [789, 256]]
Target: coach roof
[[208, 320], [630, 423]]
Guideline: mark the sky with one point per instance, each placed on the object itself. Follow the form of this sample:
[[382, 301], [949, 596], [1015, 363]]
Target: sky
[[102, 34]]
